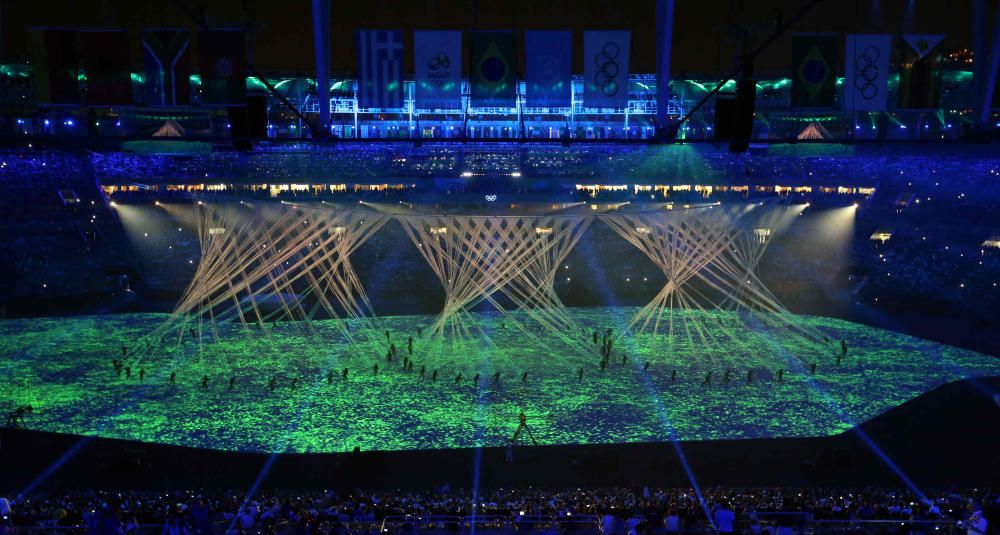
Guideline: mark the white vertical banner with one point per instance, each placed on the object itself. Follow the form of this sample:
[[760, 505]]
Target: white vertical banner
[[437, 60], [605, 68], [866, 72], [549, 62], [380, 66]]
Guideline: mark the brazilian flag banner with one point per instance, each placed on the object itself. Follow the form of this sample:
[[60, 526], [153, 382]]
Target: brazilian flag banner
[[492, 70], [814, 70]]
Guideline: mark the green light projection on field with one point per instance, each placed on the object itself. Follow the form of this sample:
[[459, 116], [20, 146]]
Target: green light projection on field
[[62, 366]]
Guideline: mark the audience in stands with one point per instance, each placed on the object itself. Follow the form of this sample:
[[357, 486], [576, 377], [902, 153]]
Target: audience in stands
[[611, 510]]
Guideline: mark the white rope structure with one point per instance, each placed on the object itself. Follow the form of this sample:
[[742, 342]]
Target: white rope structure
[[278, 263], [477, 256], [291, 264], [533, 289], [681, 244], [720, 249]]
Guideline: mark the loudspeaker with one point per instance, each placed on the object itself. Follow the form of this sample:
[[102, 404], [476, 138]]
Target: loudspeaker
[[725, 108], [734, 116], [746, 96], [257, 116], [239, 128]]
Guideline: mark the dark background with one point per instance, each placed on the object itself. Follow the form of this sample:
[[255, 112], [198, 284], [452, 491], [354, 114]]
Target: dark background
[[704, 30]]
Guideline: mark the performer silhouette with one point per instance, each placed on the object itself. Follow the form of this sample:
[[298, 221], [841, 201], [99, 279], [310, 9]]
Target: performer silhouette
[[523, 427], [524, 378], [708, 379], [173, 377], [673, 376], [344, 373], [458, 378], [232, 382], [579, 375], [423, 370], [204, 382], [496, 378]]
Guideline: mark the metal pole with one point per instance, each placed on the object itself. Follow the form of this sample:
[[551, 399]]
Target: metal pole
[[664, 40], [321, 44]]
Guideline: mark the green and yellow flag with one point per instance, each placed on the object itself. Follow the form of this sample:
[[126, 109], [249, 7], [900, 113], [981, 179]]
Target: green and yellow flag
[[814, 70], [492, 70]]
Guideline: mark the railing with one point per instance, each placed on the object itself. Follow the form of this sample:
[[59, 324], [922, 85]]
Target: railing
[[886, 527], [49, 528], [490, 524], [772, 523]]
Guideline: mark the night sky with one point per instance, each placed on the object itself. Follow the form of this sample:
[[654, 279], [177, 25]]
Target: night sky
[[703, 42]]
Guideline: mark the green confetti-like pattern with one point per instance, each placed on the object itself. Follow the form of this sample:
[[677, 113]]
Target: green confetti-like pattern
[[62, 366]]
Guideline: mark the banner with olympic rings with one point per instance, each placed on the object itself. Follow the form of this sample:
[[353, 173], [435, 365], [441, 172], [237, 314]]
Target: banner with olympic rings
[[605, 68], [866, 72]]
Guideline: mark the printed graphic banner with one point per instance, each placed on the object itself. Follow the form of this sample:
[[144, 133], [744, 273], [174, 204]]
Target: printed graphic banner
[[105, 58], [222, 54], [492, 71], [920, 71], [814, 70], [437, 60], [548, 68], [866, 73], [605, 69], [380, 66], [166, 59], [57, 61]]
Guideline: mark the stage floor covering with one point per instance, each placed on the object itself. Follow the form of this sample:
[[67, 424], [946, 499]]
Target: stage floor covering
[[62, 367]]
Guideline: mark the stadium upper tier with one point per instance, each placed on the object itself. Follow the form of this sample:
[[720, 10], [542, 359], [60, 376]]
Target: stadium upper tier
[[830, 165], [775, 119]]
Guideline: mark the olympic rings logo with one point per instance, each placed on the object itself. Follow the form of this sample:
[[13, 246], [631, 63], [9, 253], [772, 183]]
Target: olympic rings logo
[[866, 73], [607, 69], [491, 198]]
